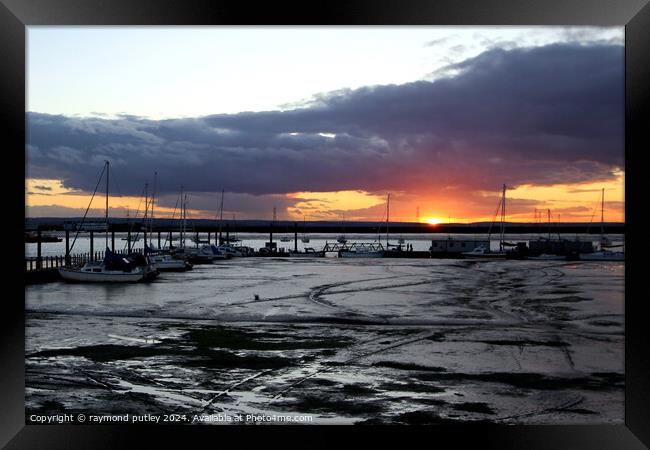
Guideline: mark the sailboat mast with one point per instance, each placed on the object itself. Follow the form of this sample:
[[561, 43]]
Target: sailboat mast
[[153, 196], [503, 216], [107, 173], [180, 243], [146, 213], [220, 217], [602, 214], [387, 217], [184, 218]]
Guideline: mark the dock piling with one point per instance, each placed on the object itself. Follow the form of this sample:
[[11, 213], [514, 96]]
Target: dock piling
[[39, 262], [92, 245], [67, 247]]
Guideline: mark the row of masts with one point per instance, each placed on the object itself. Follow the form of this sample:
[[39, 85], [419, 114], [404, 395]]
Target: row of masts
[[150, 203]]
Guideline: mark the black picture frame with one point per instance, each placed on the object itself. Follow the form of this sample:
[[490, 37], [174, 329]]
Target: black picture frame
[[15, 15]]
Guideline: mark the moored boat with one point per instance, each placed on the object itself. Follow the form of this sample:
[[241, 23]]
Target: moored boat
[[113, 268], [603, 255]]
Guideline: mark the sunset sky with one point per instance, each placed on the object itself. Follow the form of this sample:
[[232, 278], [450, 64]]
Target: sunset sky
[[324, 122]]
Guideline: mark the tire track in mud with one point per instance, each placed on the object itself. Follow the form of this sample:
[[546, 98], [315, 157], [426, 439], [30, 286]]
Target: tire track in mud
[[275, 371], [356, 357], [233, 386], [316, 293], [573, 400]]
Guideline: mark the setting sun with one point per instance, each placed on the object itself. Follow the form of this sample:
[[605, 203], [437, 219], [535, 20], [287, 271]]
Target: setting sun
[[433, 221]]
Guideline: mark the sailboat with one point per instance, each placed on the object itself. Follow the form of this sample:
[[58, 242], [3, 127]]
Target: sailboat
[[603, 254], [163, 261], [304, 239], [113, 268], [342, 239], [485, 252], [547, 254]]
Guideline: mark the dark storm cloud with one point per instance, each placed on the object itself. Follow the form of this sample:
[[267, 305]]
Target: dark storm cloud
[[544, 115]]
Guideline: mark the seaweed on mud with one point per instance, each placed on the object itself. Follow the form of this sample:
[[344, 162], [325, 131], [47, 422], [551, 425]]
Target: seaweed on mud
[[565, 299], [357, 389], [526, 342], [320, 382], [604, 323], [408, 366], [437, 337], [201, 357], [476, 407], [597, 381], [225, 360], [560, 291], [423, 417], [410, 387], [237, 339], [580, 411], [468, 315], [311, 403], [51, 406], [107, 352], [423, 401]]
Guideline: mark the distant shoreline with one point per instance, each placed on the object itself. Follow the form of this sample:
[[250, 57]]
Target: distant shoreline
[[285, 226]]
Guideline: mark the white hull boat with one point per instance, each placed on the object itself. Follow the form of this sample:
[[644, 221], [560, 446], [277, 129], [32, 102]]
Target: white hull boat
[[604, 255], [97, 272], [547, 257], [104, 276], [482, 252], [166, 263], [228, 251]]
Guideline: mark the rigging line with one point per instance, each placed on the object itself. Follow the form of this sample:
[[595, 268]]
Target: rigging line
[[101, 175], [494, 219], [593, 213], [144, 214], [172, 218], [132, 222]]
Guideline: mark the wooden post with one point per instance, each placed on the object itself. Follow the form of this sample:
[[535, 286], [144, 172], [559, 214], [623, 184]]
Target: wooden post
[[209, 237], [39, 262], [295, 237], [128, 241], [67, 247], [92, 244], [113, 240], [197, 239], [144, 247], [271, 233], [159, 240], [171, 242]]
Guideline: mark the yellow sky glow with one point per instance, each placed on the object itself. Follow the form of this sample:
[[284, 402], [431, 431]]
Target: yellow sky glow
[[573, 203]]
